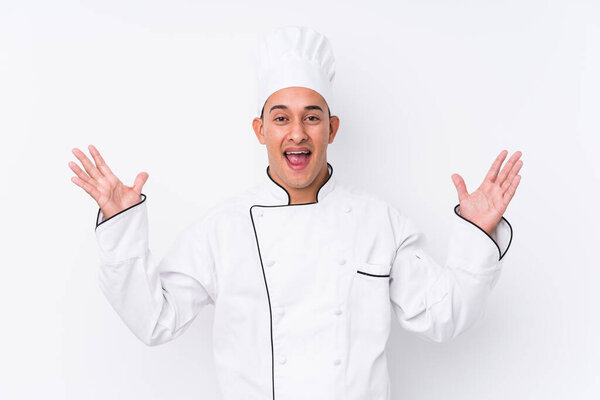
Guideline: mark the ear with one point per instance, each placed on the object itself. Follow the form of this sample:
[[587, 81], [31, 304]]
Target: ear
[[257, 125], [334, 124]]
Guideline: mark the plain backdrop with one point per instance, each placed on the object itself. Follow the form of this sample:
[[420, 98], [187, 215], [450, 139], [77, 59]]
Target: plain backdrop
[[425, 89]]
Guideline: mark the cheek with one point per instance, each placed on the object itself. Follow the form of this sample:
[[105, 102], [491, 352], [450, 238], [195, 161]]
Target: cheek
[[273, 145], [321, 139]]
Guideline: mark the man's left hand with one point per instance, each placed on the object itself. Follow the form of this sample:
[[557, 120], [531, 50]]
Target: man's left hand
[[485, 206]]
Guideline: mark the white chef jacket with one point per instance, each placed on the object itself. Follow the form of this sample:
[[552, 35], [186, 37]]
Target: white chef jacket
[[302, 292]]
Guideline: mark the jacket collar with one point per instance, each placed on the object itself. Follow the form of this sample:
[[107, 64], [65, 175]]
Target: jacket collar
[[281, 196]]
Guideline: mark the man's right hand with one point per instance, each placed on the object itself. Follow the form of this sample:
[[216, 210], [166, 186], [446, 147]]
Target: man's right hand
[[109, 192]]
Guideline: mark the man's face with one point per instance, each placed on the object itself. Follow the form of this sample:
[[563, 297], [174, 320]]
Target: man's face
[[296, 119]]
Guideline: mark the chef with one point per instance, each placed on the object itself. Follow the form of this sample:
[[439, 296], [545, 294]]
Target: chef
[[303, 270]]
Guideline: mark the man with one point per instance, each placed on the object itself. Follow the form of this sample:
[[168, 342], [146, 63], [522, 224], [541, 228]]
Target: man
[[301, 269]]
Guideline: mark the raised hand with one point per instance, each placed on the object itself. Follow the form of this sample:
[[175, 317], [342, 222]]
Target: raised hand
[[485, 206], [109, 192]]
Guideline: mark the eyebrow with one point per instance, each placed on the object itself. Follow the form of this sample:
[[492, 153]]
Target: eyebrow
[[284, 107]]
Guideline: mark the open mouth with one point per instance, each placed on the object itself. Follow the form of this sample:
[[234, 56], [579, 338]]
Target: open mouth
[[297, 159]]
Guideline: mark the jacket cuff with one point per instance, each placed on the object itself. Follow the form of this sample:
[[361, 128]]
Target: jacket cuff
[[100, 217], [124, 235], [473, 247]]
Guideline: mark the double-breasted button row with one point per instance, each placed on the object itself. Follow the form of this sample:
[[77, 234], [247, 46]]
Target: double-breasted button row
[[259, 212], [283, 360]]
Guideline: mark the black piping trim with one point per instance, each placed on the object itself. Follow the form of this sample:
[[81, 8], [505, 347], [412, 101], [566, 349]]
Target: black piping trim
[[120, 212], [378, 276], [268, 300], [263, 268], [288, 195], [488, 235]]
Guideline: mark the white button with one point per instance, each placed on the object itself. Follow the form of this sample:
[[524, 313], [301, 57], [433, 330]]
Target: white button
[[337, 362], [259, 213], [338, 312], [347, 209], [342, 261], [282, 360], [270, 263]]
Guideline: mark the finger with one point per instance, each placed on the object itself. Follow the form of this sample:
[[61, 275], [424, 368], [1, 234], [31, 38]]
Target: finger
[[493, 171], [509, 165], [460, 186], [515, 169], [91, 190], [79, 172], [140, 179], [512, 189], [102, 166], [87, 164]]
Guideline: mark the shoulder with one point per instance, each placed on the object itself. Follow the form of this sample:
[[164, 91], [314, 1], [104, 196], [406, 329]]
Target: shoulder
[[232, 209]]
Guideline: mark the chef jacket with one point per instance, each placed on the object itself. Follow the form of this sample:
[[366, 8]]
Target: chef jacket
[[301, 292]]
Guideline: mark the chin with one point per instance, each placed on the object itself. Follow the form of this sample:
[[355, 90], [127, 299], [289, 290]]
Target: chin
[[299, 179]]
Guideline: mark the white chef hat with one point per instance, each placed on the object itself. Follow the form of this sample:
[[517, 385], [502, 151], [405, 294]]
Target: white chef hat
[[294, 56]]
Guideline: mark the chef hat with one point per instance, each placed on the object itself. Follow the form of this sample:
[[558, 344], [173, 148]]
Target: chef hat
[[294, 56]]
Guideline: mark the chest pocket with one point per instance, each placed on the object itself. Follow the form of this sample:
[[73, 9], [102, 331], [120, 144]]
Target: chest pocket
[[374, 270], [370, 301]]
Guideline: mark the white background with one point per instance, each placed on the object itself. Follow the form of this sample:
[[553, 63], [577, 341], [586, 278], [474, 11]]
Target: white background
[[425, 89]]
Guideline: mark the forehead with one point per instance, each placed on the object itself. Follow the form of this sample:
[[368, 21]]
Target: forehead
[[295, 97]]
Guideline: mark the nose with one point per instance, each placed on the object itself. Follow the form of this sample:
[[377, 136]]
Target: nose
[[298, 132]]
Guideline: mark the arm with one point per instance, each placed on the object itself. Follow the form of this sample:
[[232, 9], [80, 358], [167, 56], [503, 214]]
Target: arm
[[439, 302], [158, 302]]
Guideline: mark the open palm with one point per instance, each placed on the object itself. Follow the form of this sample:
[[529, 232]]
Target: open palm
[[109, 192], [485, 206]]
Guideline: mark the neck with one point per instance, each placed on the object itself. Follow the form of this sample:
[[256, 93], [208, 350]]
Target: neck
[[307, 194]]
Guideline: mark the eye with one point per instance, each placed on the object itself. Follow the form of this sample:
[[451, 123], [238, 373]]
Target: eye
[[278, 118], [315, 118]]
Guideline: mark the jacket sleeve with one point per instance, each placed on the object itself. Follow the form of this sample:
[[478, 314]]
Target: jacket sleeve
[[439, 302], [158, 302]]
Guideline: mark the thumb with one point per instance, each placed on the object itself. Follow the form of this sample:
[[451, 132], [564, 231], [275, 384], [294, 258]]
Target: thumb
[[461, 188], [140, 179]]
